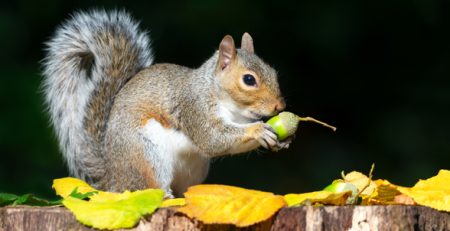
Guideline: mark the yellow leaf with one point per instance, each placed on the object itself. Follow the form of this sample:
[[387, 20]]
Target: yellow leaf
[[384, 194], [64, 186], [114, 213], [102, 196], [433, 192], [221, 204], [173, 202], [107, 210], [361, 181], [321, 197]]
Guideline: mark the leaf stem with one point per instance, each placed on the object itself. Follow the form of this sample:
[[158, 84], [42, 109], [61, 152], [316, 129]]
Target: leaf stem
[[368, 180]]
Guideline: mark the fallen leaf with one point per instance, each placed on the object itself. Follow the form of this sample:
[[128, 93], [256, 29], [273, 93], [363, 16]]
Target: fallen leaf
[[404, 200], [103, 196], [82, 196], [173, 202], [106, 210], [433, 192], [65, 186], [384, 194], [221, 204], [318, 197], [361, 181], [114, 213]]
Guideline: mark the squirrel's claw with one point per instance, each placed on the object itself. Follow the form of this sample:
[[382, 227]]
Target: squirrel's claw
[[268, 139], [285, 143]]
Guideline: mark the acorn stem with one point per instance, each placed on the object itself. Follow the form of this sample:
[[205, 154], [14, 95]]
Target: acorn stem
[[310, 119]]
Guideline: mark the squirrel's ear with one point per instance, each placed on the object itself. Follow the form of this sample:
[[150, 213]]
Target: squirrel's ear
[[227, 52], [247, 43]]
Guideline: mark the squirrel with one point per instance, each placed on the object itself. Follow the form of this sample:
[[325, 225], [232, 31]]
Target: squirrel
[[124, 123]]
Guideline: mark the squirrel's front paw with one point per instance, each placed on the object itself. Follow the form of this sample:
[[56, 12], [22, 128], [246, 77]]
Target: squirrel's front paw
[[267, 137]]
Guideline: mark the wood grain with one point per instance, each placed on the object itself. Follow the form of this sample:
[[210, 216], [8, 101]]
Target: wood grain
[[393, 217]]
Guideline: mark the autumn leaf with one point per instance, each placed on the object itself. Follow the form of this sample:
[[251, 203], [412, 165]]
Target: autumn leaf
[[65, 186], [106, 210], [173, 202], [384, 194], [433, 192], [364, 184], [318, 197], [221, 204], [404, 200], [102, 196], [114, 213]]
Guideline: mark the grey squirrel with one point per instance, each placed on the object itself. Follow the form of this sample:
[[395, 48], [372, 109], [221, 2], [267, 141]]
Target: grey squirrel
[[124, 123]]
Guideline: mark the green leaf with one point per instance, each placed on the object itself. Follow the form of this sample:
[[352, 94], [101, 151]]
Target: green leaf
[[81, 196], [7, 198], [26, 199]]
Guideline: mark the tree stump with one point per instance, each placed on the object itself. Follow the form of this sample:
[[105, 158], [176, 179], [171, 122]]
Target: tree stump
[[392, 217]]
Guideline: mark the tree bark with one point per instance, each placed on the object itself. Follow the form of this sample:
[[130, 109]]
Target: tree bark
[[392, 217]]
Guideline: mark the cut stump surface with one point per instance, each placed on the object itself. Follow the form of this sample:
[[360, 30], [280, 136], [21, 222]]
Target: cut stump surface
[[392, 217]]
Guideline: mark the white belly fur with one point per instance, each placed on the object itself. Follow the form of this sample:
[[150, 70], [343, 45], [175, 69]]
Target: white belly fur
[[176, 161]]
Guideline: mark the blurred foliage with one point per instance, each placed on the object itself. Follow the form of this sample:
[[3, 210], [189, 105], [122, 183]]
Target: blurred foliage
[[379, 71]]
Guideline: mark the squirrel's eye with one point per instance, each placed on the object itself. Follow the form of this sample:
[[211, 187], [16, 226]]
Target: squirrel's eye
[[249, 80]]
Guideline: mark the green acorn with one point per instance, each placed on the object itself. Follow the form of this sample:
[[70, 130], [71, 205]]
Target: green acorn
[[286, 123], [341, 186]]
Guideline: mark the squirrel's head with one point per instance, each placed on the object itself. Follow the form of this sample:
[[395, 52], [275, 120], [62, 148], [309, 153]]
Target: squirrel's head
[[250, 84]]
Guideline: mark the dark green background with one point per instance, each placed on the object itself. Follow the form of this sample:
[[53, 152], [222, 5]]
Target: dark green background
[[379, 71]]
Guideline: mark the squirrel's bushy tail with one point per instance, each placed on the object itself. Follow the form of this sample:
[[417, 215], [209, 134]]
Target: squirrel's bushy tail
[[90, 57]]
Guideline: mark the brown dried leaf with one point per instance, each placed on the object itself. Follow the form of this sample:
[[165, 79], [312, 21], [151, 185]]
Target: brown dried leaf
[[318, 197]]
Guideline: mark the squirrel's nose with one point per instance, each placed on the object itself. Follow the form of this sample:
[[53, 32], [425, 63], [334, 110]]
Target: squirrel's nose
[[280, 105]]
